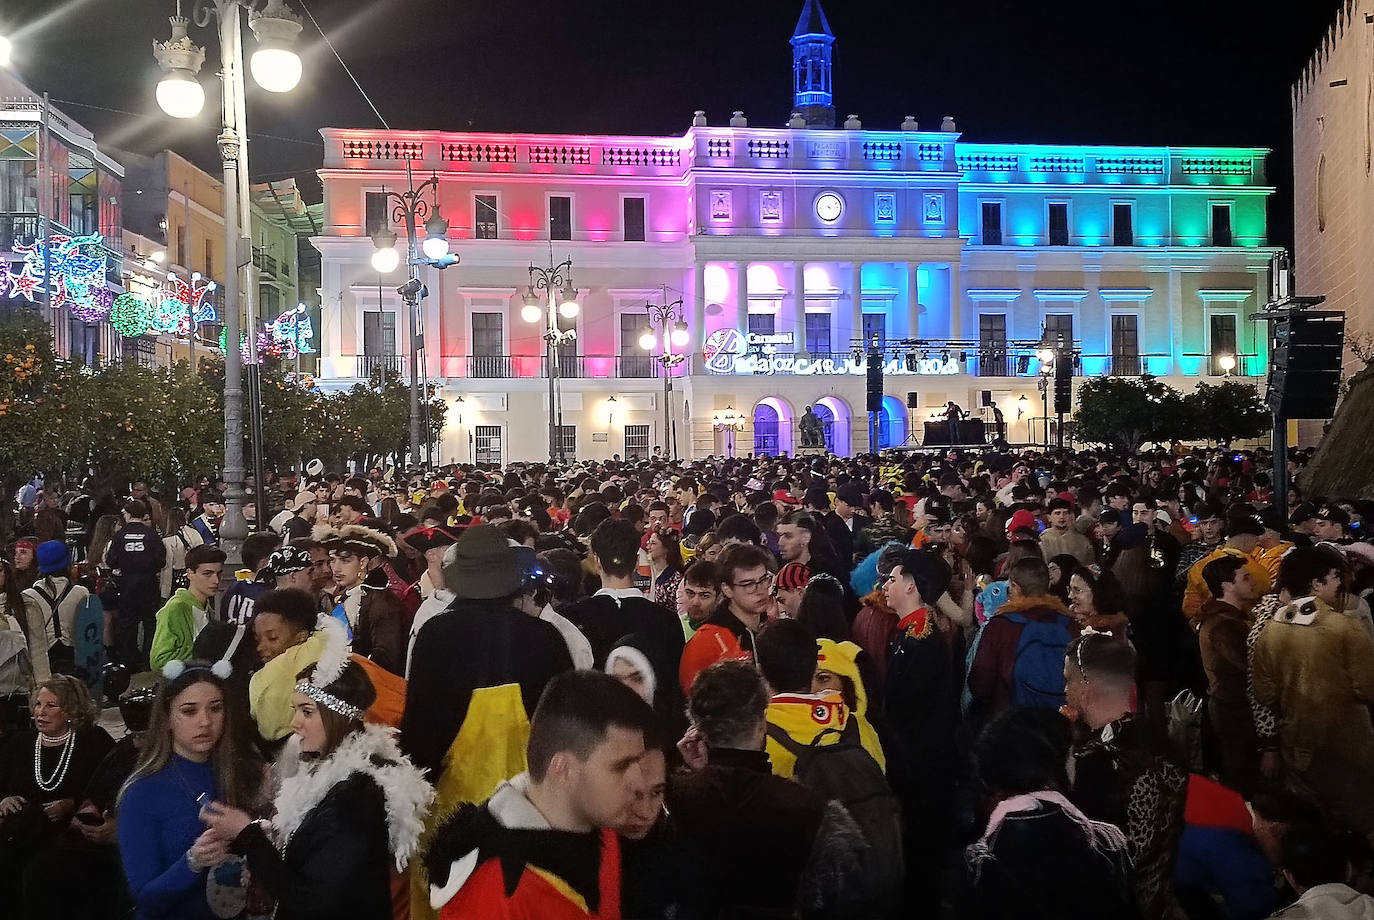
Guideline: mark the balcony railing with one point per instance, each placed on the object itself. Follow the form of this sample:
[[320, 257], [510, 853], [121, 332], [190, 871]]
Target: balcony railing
[[1126, 365], [994, 362], [369, 363], [630, 366], [489, 366], [570, 366]]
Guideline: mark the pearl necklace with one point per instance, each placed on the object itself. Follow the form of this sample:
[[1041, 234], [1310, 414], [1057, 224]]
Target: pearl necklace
[[64, 761]]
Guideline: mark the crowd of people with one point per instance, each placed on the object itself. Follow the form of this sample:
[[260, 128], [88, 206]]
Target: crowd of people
[[976, 685]]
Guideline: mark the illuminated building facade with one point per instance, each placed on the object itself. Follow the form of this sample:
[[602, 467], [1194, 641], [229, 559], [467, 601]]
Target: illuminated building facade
[[790, 248], [56, 181]]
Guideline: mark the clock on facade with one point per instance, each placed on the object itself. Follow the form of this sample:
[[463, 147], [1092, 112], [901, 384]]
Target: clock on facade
[[829, 206]]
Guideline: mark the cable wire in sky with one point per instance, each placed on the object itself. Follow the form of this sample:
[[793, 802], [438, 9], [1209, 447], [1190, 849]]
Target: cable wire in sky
[[366, 97]]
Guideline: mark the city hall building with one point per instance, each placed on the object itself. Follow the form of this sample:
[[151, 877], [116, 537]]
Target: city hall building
[[793, 257]]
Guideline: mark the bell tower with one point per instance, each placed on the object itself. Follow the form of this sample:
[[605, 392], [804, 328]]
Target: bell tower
[[812, 44]]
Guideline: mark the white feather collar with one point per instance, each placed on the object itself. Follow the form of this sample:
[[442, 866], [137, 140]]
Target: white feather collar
[[407, 793]]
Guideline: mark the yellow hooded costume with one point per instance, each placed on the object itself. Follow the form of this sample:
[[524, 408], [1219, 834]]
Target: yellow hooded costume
[[842, 659]]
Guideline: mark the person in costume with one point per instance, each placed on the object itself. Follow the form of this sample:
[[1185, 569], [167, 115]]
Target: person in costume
[[175, 869], [376, 619], [543, 845], [351, 805]]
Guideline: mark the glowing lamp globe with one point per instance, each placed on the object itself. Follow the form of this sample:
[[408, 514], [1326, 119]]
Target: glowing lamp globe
[[1227, 362], [1045, 355], [531, 313], [180, 95], [276, 70], [680, 335], [385, 260], [567, 301], [6, 49], [647, 340], [435, 247]]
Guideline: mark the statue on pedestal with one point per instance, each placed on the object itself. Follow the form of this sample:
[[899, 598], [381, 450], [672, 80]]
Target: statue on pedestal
[[812, 429]]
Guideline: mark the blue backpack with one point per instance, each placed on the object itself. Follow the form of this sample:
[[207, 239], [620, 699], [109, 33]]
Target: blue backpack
[[1037, 677]]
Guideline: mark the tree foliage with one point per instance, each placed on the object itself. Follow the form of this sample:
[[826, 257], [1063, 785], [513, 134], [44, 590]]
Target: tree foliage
[[1126, 412], [1227, 411], [166, 425]]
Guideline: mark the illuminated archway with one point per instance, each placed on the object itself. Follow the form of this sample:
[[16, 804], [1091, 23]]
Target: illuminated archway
[[837, 426], [767, 410], [892, 423]]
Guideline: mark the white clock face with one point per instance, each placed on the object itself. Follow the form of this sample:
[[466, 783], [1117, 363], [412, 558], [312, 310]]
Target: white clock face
[[829, 206]]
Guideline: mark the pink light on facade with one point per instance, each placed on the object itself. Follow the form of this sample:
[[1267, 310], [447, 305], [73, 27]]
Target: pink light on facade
[[763, 279], [716, 283]]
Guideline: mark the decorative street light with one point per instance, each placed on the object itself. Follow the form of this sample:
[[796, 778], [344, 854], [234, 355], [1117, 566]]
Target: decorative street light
[[729, 422], [277, 68], [1227, 363], [556, 282], [673, 331], [410, 208], [6, 50]]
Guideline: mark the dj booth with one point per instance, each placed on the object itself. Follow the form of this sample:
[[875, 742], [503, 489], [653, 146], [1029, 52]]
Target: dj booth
[[971, 431]]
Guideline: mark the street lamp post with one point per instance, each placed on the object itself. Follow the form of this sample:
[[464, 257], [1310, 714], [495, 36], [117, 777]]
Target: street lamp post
[[668, 318], [1046, 356], [729, 422], [556, 281], [276, 68], [410, 209]]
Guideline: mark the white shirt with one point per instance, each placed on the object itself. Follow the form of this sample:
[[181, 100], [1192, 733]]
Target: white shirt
[[578, 647], [434, 605]]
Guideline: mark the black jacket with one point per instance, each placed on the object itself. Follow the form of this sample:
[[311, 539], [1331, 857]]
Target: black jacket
[[336, 863], [137, 554], [751, 844], [607, 620], [383, 628], [1011, 874], [473, 644], [844, 538]]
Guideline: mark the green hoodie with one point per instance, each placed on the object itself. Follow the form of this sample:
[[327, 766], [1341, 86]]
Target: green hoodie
[[178, 622]]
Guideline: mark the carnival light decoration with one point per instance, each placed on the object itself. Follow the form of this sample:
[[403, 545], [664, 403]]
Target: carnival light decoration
[[131, 315], [184, 305], [76, 270], [98, 310], [265, 347], [292, 332]]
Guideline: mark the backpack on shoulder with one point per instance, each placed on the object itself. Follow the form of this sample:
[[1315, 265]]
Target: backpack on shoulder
[[844, 772], [1037, 677]]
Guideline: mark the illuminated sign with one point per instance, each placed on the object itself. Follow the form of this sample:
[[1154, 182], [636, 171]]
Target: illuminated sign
[[727, 351]]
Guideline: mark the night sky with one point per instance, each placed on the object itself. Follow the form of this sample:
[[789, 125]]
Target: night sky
[[1152, 72]]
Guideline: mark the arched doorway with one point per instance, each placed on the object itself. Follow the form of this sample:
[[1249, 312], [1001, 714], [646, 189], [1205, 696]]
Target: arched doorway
[[834, 412], [766, 425], [775, 415], [892, 423]]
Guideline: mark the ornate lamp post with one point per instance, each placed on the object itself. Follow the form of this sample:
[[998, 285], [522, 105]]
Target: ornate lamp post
[[729, 422], [410, 209], [667, 317], [556, 282], [1045, 355], [276, 68]]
